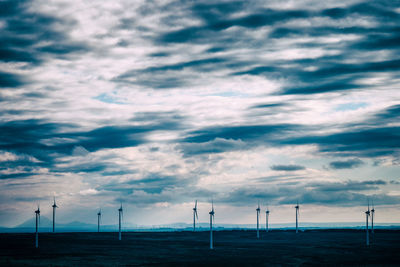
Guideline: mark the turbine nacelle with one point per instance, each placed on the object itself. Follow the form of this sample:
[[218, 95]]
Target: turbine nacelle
[[54, 204], [195, 210]]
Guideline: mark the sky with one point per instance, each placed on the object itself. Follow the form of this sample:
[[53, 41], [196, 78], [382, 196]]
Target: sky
[[157, 103]]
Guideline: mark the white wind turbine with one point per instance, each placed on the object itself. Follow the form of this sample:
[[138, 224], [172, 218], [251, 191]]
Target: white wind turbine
[[195, 216], [367, 214], [211, 224], [372, 217], [266, 219], [37, 213], [98, 220], [297, 207], [120, 215], [54, 214], [258, 215]]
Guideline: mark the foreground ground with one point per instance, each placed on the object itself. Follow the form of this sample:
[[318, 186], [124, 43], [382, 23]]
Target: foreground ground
[[232, 248]]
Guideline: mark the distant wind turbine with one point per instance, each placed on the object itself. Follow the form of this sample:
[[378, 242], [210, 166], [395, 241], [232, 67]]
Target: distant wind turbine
[[258, 215], [54, 214], [297, 215], [372, 217], [367, 214], [37, 213], [266, 219], [211, 224], [98, 220], [120, 215], [195, 216]]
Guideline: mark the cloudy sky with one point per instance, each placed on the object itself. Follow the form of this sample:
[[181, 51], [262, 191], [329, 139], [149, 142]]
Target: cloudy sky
[[159, 103]]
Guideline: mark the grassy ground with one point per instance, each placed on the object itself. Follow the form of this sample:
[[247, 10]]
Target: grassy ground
[[232, 248]]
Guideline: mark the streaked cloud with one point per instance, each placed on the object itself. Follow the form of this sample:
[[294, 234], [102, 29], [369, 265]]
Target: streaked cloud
[[159, 103]]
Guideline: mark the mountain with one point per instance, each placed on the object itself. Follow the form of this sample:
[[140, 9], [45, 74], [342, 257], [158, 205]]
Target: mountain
[[31, 223]]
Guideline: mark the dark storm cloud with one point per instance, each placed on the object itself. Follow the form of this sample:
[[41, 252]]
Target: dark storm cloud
[[349, 185], [330, 74], [19, 175], [169, 76], [24, 34], [268, 106], [388, 115], [348, 193], [218, 145], [25, 30], [288, 168], [363, 142], [8, 79], [212, 25], [220, 139], [154, 188], [347, 164], [244, 132], [47, 141]]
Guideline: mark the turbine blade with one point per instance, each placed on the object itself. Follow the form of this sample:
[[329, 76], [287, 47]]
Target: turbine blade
[[196, 215], [195, 205]]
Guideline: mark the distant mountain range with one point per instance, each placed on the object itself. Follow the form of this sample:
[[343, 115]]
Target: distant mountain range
[[76, 226]]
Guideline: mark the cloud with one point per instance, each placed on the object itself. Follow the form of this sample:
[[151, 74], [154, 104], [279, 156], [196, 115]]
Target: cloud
[[346, 193], [218, 145], [288, 168], [347, 164], [30, 37], [12, 80]]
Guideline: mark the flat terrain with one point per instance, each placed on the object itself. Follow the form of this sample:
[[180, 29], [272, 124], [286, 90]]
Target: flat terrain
[[232, 248]]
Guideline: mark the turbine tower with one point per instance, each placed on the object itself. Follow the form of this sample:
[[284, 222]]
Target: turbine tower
[[211, 224], [258, 215], [372, 217], [37, 213], [195, 216], [367, 214], [266, 219], [297, 215], [98, 220], [54, 214], [120, 215]]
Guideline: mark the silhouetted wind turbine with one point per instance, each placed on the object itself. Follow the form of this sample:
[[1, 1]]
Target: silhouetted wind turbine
[[266, 219], [121, 214], [297, 214], [98, 220], [367, 214], [258, 215], [372, 217], [37, 213], [195, 216], [211, 224], [54, 214]]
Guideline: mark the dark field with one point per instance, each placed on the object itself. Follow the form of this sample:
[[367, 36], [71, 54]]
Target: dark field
[[237, 248]]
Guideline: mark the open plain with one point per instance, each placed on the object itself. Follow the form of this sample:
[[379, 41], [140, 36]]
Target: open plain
[[232, 248]]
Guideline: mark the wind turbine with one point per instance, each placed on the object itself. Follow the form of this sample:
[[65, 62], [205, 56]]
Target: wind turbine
[[258, 215], [266, 219], [98, 220], [367, 214], [120, 215], [54, 214], [372, 217], [297, 215], [195, 216], [37, 213], [211, 224]]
